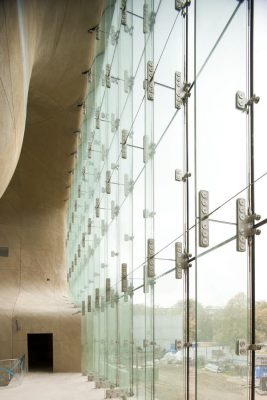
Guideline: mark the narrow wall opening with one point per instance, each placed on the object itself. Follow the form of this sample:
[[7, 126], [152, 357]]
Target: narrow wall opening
[[40, 351]]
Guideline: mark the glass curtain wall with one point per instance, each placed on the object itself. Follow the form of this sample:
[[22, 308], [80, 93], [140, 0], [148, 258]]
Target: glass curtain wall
[[168, 183]]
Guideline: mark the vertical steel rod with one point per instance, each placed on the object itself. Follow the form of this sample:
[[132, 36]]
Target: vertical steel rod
[[251, 189], [187, 285]]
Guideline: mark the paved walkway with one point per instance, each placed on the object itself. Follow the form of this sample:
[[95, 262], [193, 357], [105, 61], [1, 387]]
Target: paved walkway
[[53, 386]]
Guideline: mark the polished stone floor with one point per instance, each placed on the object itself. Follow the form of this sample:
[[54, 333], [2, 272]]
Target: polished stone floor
[[53, 386]]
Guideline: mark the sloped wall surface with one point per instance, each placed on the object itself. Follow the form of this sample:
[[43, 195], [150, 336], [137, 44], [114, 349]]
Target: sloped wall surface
[[45, 46]]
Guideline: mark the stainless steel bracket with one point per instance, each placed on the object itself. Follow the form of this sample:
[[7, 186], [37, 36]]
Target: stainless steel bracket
[[148, 214], [203, 204], [124, 137], [91, 377], [128, 237], [123, 12], [150, 258], [181, 90], [97, 207], [148, 149], [146, 343], [128, 185], [149, 82], [89, 226], [89, 303], [145, 18], [114, 123], [115, 166], [178, 260], [124, 281], [83, 307], [83, 240], [181, 260], [241, 347], [254, 347], [180, 176], [178, 90], [178, 344], [84, 168], [116, 393], [108, 183], [101, 383], [108, 290], [114, 36], [108, 81], [128, 82], [148, 19], [187, 344], [181, 4], [97, 298], [114, 209], [242, 102], [244, 225]]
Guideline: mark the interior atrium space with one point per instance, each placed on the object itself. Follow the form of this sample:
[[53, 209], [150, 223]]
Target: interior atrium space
[[133, 199]]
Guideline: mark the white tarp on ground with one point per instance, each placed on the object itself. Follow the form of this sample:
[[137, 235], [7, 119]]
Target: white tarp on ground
[[172, 358]]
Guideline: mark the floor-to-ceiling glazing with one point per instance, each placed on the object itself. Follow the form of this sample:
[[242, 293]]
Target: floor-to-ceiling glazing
[[167, 199]]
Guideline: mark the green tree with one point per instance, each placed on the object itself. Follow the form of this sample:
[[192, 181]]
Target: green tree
[[261, 321], [204, 321], [230, 323]]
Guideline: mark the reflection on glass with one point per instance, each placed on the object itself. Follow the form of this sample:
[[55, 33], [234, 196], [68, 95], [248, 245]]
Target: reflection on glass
[[157, 337]]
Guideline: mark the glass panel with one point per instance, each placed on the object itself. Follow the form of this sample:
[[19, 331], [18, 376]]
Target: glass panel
[[144, 339], [208, 32], [222, 320], [216, 116], [260, 86], [260, 290], [169, 192], [221, 146], [169, 336], [139, 352]]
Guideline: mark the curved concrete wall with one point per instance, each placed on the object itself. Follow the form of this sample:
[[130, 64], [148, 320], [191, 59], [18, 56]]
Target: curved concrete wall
[[45, 47]]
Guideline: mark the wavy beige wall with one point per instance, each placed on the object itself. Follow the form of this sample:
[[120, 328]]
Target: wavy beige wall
[[45, 46]]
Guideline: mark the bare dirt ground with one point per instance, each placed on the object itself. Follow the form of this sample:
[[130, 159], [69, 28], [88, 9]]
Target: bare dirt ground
[[210, 386]]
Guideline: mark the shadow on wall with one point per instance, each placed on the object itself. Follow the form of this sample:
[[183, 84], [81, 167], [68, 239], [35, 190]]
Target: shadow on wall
[[41, 73]]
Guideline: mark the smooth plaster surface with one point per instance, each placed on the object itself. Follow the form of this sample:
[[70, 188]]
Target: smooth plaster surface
[[45, 47]]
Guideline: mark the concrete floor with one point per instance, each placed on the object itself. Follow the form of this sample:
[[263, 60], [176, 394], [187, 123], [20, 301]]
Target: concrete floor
[[53, 386]]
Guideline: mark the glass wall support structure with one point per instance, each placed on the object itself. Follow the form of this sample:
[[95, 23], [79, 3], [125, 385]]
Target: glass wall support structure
[[164, 260]]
